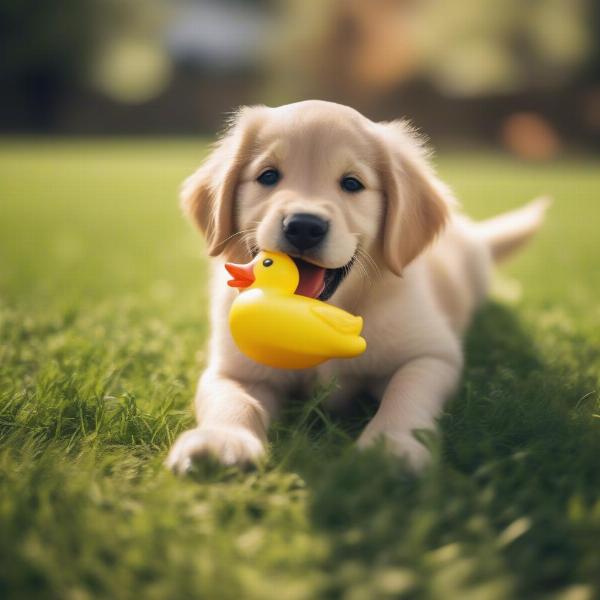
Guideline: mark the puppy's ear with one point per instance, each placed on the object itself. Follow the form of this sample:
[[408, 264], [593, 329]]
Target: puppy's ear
[[208, 196], [417, 202]]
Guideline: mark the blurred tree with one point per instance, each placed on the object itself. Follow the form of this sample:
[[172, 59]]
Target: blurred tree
[[131, 64], [463, 48], [46, 47], [483, 47], [53, 49]]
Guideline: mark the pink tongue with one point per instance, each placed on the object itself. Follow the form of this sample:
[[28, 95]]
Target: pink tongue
[[312, 279]]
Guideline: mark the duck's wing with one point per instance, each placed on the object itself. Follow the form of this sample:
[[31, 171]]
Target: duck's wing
[[339, 319]]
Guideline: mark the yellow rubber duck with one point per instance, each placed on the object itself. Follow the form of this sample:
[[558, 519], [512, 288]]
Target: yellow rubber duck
[[277, 327]]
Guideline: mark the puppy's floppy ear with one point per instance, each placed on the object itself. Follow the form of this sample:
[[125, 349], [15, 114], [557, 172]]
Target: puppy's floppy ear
[[208, 196], [417, 202]]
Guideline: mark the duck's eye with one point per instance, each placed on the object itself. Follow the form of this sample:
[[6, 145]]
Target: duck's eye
[[269, 177], [351, 184], [267, 262]]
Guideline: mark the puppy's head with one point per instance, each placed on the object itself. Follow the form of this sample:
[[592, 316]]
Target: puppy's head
[[322, 183]]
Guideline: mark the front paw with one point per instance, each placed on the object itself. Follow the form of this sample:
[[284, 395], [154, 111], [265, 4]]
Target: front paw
[[400, 443], [228, 445]]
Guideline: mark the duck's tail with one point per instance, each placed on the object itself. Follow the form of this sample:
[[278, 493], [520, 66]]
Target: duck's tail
[[507, 232]]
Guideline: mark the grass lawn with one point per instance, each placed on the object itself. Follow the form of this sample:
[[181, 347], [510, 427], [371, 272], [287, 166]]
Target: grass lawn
[[102, 332]]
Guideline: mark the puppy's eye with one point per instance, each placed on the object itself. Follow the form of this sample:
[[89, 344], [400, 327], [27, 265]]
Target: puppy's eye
[[269, 177], [351, 184]]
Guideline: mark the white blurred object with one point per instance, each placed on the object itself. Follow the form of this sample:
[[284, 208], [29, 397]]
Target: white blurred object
[[220, 35]]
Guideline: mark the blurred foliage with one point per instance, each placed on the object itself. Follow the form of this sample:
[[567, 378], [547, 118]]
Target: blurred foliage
[[464, 48], [131, 63], [52, 49], [482, 46], [45, 47]]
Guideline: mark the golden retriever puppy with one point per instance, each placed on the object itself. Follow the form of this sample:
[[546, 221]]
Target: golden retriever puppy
[[373, 231]]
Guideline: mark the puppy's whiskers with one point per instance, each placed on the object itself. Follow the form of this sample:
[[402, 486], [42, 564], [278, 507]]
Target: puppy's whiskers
[[363, 269], [370, 261], [249, 240], [241, 232]]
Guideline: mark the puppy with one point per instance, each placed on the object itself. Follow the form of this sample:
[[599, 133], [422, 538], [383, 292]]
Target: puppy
[[373, 231]]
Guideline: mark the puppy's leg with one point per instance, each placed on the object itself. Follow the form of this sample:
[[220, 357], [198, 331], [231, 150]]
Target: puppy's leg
[[233, 418], [412, 400]]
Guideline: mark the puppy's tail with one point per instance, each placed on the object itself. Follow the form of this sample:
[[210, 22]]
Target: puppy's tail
[[507, 232]]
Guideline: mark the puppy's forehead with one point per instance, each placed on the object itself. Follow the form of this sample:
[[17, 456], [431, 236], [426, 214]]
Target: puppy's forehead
[[313, 127]]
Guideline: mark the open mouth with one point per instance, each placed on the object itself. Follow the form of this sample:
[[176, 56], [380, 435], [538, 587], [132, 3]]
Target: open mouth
[[319, 282]]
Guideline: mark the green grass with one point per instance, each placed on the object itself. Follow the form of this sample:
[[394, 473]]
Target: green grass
[[102, 330]]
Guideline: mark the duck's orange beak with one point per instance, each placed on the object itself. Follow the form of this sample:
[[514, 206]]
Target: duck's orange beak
[[243, 275]]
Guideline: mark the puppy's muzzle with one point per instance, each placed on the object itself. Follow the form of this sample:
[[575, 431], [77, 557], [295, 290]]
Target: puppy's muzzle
[[304, 231]]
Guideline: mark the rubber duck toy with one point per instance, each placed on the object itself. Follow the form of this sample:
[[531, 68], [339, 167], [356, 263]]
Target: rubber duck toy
[[276, 326]]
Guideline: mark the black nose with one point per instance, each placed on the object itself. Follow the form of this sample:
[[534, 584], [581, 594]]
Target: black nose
[[304, 231]]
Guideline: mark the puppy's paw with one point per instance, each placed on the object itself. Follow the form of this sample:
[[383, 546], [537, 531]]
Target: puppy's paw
[[228, 445], [400, 443]]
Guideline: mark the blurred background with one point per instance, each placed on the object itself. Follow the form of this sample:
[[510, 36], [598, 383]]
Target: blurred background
[[523, 75]]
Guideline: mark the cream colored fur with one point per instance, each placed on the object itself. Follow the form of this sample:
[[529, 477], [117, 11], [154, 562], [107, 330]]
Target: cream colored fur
[[422, 268]]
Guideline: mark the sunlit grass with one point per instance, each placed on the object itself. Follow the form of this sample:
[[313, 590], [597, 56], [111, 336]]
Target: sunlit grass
[[102, 332]]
